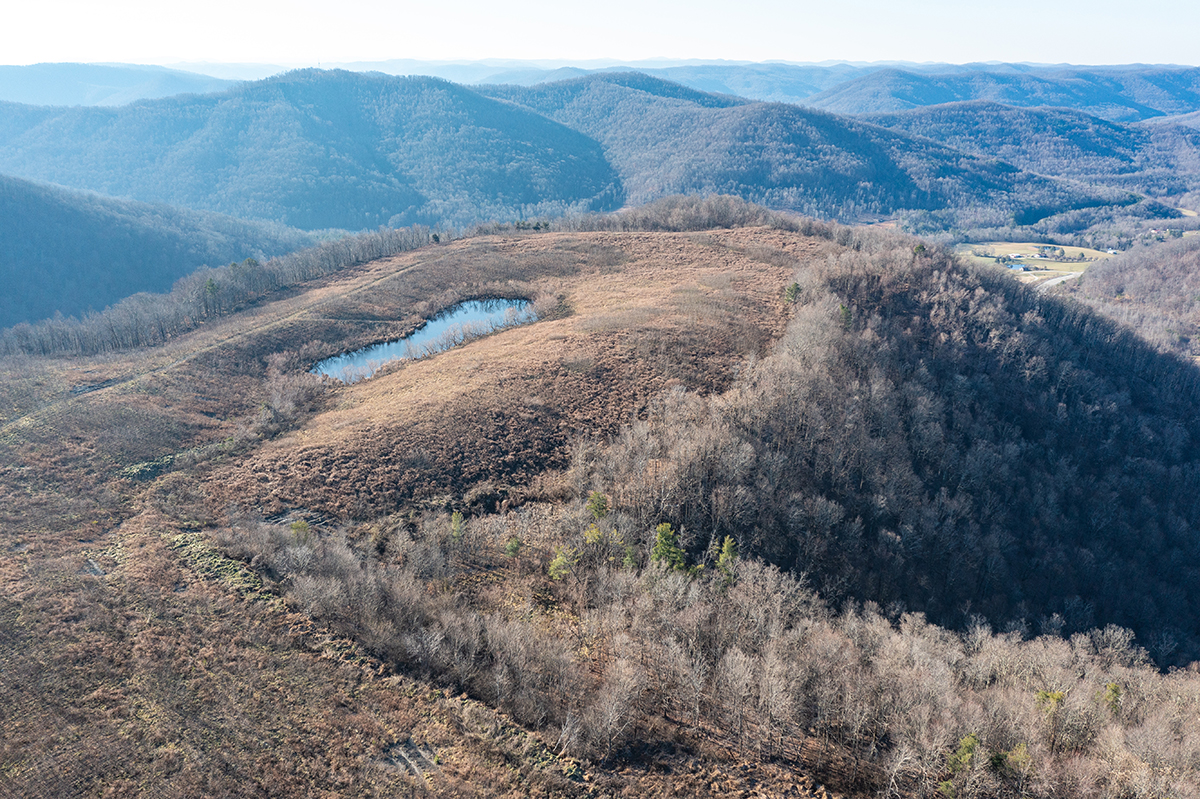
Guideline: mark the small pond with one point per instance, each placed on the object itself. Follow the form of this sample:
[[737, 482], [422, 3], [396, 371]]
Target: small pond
[[453, 326]]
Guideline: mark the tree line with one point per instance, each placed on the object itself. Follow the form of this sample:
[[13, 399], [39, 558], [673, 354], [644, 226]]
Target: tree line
[[147, 319], [618, 653], [945, 440]]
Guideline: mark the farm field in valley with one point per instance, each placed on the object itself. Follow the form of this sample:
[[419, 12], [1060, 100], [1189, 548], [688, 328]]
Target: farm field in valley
[[1032, 256]]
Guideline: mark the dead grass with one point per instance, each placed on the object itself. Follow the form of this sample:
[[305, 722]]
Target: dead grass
[[134, 664], [505, 408]]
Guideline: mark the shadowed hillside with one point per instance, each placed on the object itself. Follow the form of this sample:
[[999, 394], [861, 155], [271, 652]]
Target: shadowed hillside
[[318, 150], [948, 440], [72, 252]]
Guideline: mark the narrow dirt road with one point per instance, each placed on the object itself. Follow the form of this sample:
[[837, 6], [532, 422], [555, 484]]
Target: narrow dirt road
[[1054, 281]]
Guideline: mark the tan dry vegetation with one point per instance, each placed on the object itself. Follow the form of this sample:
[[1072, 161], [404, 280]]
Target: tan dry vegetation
[[143, 668], [157, 638], [682, 308], [137, 661]]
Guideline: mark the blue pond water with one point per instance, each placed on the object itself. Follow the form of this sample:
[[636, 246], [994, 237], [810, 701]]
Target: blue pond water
[[451, 327]]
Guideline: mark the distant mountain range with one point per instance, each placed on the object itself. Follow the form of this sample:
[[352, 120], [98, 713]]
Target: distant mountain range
[[99, 84], [1160, 159], [1122, 92], [1122, 95], [316, 150], [71, 251], [664, 138]]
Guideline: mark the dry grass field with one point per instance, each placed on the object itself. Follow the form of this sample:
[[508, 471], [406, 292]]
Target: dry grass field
[[223, 576], [1025, 254], [137, 660], [639, 312]]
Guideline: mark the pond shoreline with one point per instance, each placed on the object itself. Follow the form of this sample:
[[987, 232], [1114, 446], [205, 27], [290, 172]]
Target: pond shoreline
[[461, 322]]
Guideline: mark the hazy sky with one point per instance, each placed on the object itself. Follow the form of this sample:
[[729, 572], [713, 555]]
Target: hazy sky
[[311, 31]]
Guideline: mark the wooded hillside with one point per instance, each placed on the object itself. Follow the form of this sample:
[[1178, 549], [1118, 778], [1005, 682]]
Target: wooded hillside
[[72, 252], [666, 139], [316, 150], [1119, 94], [947, 440], [1158, 160], [1154, 289]]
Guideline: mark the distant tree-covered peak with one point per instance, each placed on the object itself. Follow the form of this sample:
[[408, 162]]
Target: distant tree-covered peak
[[70, 84], [550, 96], [321, 149], [1119, 94], [1158, 160]]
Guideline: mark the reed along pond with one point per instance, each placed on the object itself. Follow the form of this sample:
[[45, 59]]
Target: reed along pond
[[457, 324]]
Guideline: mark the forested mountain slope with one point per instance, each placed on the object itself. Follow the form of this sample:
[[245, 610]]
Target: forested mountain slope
[[664, 138], [99, 84], [949, 440], [1118, 94], [1153, 289], [1191, 120], [1061, 142], [71, 252], [318, 150]]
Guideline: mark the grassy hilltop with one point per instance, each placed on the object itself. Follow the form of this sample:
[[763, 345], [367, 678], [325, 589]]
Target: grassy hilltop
[[758, 504]]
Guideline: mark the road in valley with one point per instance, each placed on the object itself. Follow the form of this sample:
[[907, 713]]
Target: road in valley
[[1054, 281]]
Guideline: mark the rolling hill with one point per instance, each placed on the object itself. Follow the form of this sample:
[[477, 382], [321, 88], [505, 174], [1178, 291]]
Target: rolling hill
[[225, 576], [319, 150], [1116, 94], [1158, 159], [664, 138], [71, 252]]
